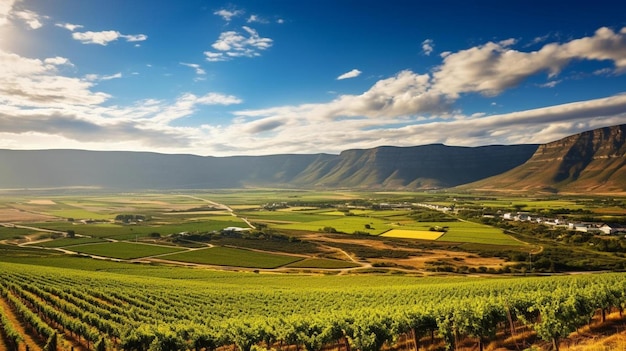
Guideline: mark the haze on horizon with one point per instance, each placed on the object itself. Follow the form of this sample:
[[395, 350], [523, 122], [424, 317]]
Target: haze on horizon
[[254, 78]]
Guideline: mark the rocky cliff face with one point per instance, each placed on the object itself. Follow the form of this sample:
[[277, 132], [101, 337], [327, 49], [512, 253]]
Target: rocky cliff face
[[588, 162]]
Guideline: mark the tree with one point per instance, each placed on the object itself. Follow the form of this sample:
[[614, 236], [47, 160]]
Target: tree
[[71, 233]]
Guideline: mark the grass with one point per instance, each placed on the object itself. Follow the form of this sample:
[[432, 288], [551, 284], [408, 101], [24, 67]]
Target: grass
[[124, 250], [226, 256], [285, 216], [470, 232], [413, 234], [345, 224]]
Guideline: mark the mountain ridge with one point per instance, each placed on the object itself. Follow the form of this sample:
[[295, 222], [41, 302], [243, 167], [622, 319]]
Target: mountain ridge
[[589, 162], [386, 167]]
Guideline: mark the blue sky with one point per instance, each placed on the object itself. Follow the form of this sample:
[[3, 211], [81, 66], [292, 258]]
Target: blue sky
[[282, 76]]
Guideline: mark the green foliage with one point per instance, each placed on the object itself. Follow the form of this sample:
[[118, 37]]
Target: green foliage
[[226, 256], [124, 250], [209, 310]]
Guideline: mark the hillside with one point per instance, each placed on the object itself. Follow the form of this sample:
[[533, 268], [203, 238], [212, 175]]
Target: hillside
[[419, 167], [589, 162]]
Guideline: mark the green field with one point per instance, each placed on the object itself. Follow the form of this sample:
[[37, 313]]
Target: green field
[[470, 232], [14, 233], [67, 242], [226, 256], [124, 250], [128, 232], [344, 224]]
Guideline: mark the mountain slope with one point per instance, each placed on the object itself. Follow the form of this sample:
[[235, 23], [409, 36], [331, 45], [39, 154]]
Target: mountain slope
[[420, 167], [589, 162]]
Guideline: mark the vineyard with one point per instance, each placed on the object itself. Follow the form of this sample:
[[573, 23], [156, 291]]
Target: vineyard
[[190, 309]]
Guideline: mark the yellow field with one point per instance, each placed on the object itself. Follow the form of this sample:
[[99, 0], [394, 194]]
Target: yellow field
[[413, 234]]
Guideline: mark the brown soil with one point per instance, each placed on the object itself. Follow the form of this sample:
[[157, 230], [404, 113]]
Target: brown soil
[[451, 258], [420, 258], [15, 215], [28, 340]]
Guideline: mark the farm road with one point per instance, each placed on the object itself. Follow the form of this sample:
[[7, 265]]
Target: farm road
[[223, 207]]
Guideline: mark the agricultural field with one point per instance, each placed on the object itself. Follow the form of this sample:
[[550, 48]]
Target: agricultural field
[[413, 234], [119, 306], [383, 261], [392, 229], [68, 242], [123, 250], [226, 256]]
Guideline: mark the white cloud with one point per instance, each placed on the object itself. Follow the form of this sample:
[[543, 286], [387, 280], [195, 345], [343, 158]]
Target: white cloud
[[135, 37], [215, 56], [97, 77], [550, 84], [33, 82], [6, 6], [105, 37], [186, 104], [39, 101], [492, 68], [280, 21], [8, 11], [32, 19], [352, 74], [57, 61], [227, 15], [195, 66], [256, 19], [235, 44], [69, 26], [428, 46]]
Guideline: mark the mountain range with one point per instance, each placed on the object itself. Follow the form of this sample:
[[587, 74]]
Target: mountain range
[[590, 161]]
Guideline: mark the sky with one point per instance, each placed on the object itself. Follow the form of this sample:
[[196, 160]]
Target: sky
[[223, 78]]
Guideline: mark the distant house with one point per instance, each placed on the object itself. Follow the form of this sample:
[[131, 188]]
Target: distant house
[[612, 228]]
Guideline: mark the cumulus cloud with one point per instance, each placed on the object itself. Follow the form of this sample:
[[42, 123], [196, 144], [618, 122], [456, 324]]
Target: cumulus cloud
[[227, 15], [352, 74], [9, 11], [492, 68], [232, 44], [428, 46], [6, 7], [105, 37], [408, 108], [34, 82], [37, 100]]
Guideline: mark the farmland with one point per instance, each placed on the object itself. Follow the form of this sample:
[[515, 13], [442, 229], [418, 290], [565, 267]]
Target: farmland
[[272, 227], [121, 305], [382, 260]]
